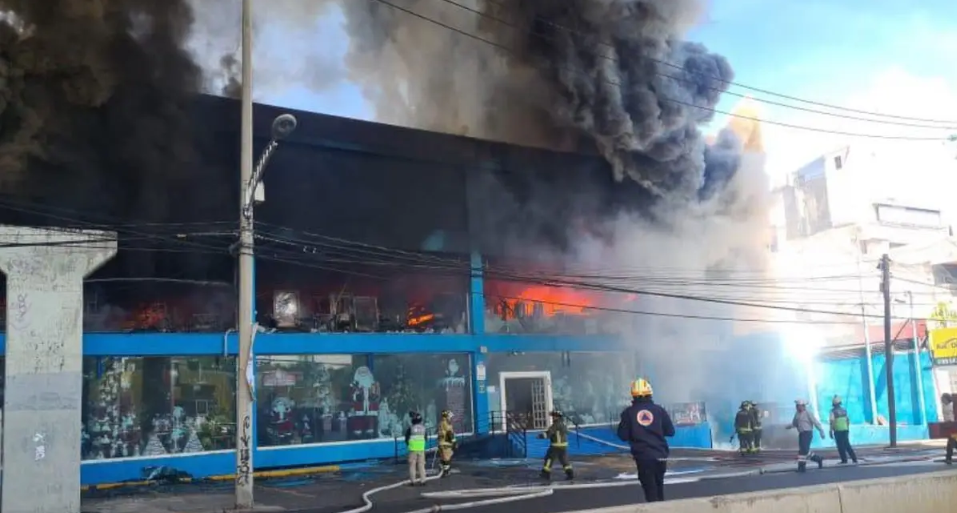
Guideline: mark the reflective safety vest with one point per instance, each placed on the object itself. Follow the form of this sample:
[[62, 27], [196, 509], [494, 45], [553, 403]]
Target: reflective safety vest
[[417, 440], [841, 422]]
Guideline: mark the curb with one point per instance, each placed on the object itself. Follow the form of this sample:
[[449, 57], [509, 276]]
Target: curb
[[262, 474], [864, 464]]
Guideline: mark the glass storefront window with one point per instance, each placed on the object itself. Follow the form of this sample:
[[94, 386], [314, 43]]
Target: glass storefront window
[[429, 384], [307, 399], [157, 406]]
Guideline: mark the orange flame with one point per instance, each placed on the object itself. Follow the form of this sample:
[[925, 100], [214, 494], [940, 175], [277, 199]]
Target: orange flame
[[513, 300], [415, 321]]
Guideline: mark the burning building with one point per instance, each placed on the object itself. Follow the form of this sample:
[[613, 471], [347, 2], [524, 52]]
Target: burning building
[[397, 269]]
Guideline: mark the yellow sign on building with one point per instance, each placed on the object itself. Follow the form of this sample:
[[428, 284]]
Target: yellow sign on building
[[943, 346]]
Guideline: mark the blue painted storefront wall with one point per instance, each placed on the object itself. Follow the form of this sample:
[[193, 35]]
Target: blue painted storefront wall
[[848, 379], [218, 463]]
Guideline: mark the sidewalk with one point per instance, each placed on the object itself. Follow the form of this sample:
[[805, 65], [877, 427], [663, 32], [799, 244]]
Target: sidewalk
[[331, 493]]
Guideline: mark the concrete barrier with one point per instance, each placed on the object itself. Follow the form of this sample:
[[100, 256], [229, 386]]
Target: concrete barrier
[[930, 493]]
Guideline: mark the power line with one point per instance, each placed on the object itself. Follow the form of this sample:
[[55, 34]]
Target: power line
[[736, 84], [555, 282], [606, 309], [671, 100]]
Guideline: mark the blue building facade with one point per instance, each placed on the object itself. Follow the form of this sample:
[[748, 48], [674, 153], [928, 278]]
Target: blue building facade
[[334, 382]]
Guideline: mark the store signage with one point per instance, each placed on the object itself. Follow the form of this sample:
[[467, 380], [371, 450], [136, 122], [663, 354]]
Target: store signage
[[480, 372], [943, 346]]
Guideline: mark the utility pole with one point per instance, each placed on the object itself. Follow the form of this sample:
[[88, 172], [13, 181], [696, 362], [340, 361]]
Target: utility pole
[[885, 267], [867, 341], [244, 394], [918, 366]]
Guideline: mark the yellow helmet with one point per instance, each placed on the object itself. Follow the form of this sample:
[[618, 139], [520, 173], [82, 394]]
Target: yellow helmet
[[641, 388]]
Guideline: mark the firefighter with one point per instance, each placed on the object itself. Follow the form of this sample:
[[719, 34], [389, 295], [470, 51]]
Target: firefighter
[[415, 441], [742, 428], [644, 425], [805, 422], [557, 435], [756, 429], [447, 443], [841, 431], [949, 407]]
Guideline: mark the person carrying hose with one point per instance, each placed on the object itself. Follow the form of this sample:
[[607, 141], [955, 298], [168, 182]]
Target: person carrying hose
[[447, 443], [805, 422], [841, 431], [742, 428], [644, 425], [756, 428], [415, 441], [557, 435]]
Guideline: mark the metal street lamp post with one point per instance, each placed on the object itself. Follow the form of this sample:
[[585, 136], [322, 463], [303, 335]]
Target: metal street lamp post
[[250, 178]]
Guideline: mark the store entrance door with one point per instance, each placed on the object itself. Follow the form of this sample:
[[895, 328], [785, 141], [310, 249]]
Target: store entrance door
[[527, 395]]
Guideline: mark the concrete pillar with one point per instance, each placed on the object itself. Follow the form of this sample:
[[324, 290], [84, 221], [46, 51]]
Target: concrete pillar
[[44, 363]]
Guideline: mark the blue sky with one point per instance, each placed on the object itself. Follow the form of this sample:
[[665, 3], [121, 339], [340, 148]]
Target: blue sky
[[829, 51]]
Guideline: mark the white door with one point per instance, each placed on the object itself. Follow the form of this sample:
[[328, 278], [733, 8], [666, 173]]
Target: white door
[[539, 406], [541, 395]]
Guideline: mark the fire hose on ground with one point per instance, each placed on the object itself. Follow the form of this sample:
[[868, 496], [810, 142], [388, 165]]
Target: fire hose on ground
[[500, 495], [507, 494]]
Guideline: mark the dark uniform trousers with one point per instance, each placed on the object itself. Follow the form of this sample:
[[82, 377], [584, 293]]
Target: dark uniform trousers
[[651, 475], [844, 448], [556, 453]]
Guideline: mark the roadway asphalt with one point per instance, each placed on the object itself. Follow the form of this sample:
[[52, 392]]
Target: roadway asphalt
[[697, 473], [570, 500]]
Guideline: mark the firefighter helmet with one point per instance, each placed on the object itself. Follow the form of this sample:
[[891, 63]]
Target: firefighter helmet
[[557, 413], [836, 400], [745, 405], [415, 416], [800, 402], [447, 414], [641, 388]]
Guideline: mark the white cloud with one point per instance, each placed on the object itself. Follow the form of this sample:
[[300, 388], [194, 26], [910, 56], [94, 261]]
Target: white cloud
[[892, 92]]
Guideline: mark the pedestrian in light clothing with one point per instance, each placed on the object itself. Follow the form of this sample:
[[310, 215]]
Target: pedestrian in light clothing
[[841, 431], [805, 422], [415, 441], [644, 425]]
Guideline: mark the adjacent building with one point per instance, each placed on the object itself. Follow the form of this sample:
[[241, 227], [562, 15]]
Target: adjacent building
[[833, 220]]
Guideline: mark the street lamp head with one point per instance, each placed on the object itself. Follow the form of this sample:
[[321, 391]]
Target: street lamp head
[[283, 125]]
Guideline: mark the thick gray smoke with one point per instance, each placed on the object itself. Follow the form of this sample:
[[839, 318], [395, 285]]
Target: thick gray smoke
[[613, 70], [617, 73]]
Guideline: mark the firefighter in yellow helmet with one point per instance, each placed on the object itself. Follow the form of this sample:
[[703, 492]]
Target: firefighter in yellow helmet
[[840, 426], [557, 435], [644, 425], [447, 443]]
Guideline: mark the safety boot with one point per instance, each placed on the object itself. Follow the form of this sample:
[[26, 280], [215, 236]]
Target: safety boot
[[569, 475], [819, 460], [546, 475], [802, 467]]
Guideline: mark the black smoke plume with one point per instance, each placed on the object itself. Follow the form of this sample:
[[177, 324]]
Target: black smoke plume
[[95, 111], [615, 71]]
